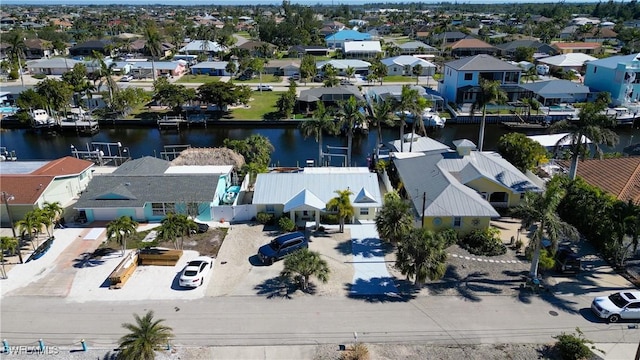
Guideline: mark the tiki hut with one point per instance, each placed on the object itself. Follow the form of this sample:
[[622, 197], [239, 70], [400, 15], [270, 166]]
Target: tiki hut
[[209, 156]]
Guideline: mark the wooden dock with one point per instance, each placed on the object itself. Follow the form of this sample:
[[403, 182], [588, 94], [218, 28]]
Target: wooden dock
[[174, 123], [524, 125]]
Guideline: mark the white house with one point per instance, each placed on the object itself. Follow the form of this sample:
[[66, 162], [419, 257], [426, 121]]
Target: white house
[[361, 49], [202, 47], [403, 65], [304, 194]]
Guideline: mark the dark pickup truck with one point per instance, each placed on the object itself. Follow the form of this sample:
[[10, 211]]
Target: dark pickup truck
[[567, 261]]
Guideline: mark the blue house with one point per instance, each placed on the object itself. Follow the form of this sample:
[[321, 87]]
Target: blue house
[[618, 75], [461, 82], [213, 68], [337, 40], [147, 189]]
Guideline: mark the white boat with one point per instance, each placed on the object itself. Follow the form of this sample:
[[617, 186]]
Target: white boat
[[623, 115], [429, 118], [41, 118]]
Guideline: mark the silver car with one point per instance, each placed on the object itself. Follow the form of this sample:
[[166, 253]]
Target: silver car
[[622, 305]]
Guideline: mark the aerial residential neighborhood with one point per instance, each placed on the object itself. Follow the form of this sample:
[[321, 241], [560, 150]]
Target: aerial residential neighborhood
[[328, 181]]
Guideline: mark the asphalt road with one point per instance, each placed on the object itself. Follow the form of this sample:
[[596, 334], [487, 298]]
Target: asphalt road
[[247, 321]]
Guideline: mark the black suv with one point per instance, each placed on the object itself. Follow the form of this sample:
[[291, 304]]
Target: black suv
[[282, 246], [567, 261]]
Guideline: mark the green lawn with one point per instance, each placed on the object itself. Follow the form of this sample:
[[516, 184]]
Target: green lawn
[[262, 103], [244, 34], [188, 78], [399, 78], [265, 79]]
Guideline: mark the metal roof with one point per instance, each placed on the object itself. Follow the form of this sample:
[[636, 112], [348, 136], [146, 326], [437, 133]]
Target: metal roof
[[613, 61], [445, 196], [147, 165], [482, 62], [571, 59], [420, 144], [358, 46], [278, 188], [561, 88], [211, 65], [404, 60]]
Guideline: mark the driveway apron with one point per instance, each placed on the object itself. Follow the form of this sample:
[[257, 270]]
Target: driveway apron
[[371, 276]]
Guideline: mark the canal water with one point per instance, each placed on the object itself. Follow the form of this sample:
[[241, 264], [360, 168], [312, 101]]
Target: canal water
[[291, 148]]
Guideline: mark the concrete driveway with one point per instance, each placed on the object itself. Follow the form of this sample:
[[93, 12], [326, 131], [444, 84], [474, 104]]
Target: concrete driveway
[[371, 276]]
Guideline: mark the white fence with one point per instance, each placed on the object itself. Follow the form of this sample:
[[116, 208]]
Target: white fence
[[233, 213]]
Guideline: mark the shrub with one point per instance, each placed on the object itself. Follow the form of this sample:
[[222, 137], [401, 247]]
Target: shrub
[[14, 74], [286, 224], [330, 219], [546, 260], [264, 218], [484, 242], [358, 351], [450, 237], [573, 346], [39, 76]]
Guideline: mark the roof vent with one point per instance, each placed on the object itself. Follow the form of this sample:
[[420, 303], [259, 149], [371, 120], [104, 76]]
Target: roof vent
[[127, 184]]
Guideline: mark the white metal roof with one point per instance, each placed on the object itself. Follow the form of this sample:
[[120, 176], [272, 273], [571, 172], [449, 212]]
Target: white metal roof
[[280, 188], [362, 46], [550, 141], [572, 59], [304, 200]]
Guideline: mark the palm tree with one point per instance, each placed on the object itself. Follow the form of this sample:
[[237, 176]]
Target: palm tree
[[105, 74], [53, 211], [144, 338], [32, 225], [421, 256], [350, 115], [120, 229], [302, 265], [10, 244], [592, 125], [341, 204], [417, 71], [394, 221], [382, 111], [540, 209], [153, 44], [410, 103], [490, 93], [349, 72], [320, 122], [16, 51], [174, 226]]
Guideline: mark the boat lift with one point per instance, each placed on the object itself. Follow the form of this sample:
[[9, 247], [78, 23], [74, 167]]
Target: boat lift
[[103, 153]]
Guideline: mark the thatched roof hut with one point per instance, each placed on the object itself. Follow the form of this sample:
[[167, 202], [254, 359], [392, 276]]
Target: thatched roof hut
[[209, 156]]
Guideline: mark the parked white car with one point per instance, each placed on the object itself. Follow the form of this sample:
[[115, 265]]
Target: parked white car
[[126, 78], [264, 88], [196, 271], [622, 305]]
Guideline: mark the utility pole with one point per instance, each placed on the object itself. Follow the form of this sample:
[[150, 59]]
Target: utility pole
[[6, 197]]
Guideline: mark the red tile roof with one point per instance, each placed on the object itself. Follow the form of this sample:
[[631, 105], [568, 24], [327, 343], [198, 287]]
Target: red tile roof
[[577, 45], [64, 166], [619, 177], [26, 189]]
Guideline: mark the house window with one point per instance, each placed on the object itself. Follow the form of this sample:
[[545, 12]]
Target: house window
[[157, 209], [595, 69], [364, 211], [169, 208], [457, 222], [499, 197], [468, 76], [270, 209]]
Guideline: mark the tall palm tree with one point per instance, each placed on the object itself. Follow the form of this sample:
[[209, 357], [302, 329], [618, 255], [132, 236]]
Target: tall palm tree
[[490, 93], [382, 111], [321, 121], [120, 229], [350, 115], [31, 224], [16, 51], [145, 337], [341, 204], [421, 256], [417, 71], [540, 209], [410, 103], [153, 43], [105, 74], [592, 125], [10, 244], [394, 220], [349, 72], [303, 264]]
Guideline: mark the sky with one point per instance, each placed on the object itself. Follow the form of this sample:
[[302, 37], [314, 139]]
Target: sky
[[257, 2]]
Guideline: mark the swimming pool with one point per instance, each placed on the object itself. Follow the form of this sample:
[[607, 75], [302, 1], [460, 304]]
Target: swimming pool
[[8, 109]]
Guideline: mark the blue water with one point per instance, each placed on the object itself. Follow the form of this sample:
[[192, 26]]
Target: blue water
[[8, 109]]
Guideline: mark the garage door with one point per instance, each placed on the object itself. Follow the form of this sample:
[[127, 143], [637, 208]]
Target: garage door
[[105, 214]]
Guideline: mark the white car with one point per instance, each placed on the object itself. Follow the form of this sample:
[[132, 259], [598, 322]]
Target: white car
[[622, 305], [264, 88], [126, 78], [195, 272]]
